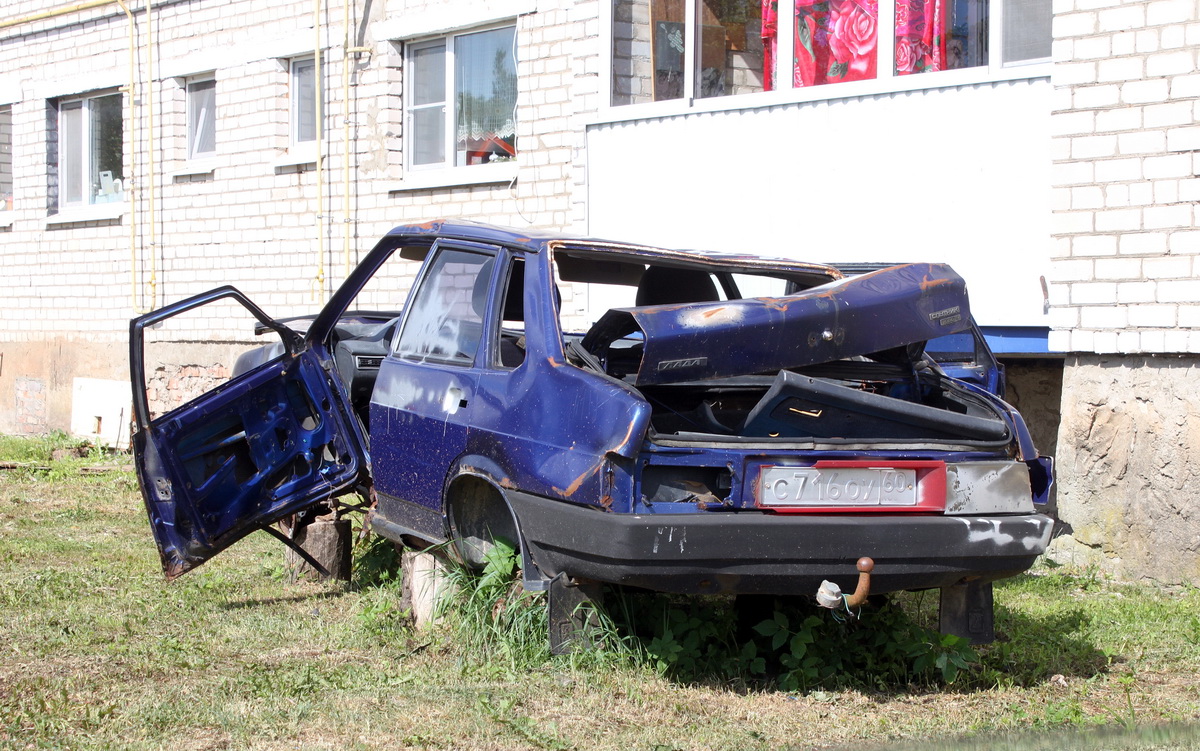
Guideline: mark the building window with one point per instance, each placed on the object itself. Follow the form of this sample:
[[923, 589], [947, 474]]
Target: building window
[[90, 150], [6, 159], [201, 118], [1026, 34], [652, 38], [304, 100], [462, 99], [675, 49]]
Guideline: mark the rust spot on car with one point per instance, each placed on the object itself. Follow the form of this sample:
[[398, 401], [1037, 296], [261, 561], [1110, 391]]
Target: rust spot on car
[[172, 569], [574, 486], [928, 284], [624, 442]]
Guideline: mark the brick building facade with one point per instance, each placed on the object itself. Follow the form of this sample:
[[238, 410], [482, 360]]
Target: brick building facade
[[259, 206]]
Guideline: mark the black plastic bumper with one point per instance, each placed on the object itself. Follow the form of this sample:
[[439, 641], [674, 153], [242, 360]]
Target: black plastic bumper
[[764, 553]]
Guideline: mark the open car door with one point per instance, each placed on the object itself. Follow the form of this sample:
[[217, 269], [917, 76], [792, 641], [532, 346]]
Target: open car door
[[265, 444]]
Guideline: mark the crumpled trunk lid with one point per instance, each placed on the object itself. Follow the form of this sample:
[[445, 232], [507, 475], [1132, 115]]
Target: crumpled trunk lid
[[884, 310]]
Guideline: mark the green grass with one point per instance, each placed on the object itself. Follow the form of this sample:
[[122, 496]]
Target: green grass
[[97, 651]]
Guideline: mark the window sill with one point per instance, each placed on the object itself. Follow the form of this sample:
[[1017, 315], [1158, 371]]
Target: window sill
[[196, 167], [6, 219], [481, 174], [950, 79], [297, 156], [98, 212]]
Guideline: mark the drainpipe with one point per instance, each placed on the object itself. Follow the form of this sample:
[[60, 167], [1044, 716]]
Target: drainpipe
[[132, 93], [320, 133], [346, 137], [150, 93], [347, 220]]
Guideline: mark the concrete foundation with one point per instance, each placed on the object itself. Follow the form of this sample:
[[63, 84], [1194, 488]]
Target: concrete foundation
[[1128, 466], [39, 389]]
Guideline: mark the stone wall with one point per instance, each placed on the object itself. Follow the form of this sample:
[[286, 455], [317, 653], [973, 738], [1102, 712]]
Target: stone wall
[[1128, 466]]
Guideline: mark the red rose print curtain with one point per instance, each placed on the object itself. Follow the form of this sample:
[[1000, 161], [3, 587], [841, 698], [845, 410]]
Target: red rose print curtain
[[835, 41], [920, 36]]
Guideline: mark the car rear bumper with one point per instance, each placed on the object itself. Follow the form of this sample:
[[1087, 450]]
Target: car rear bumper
[[751, 552]]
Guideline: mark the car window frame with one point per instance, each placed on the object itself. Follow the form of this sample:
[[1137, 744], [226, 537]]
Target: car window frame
[[435, 251]]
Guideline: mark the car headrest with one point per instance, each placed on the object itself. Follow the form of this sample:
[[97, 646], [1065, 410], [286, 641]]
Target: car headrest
[[660, 285]]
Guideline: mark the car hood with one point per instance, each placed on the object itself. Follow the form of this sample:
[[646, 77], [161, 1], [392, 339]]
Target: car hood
[[862, 315]]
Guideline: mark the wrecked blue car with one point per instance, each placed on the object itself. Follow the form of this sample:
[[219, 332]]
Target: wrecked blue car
[[726, 424]]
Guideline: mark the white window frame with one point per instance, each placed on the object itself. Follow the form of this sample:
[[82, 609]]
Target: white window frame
[[298, 102], [6, 159], [886, 81], [208, 119], [445, 105], [446, 172], [84, 169]]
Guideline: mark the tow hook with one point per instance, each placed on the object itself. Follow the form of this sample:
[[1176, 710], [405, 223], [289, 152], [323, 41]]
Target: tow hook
[[830, 595]]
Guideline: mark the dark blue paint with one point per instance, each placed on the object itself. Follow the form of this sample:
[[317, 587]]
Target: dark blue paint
[[1019, 340], [857, 316], [264, 445]]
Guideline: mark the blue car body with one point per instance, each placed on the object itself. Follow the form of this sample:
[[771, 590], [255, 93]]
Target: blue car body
[[698, 441]]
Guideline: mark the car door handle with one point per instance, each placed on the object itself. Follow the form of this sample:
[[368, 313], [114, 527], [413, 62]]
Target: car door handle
[[454, 400]]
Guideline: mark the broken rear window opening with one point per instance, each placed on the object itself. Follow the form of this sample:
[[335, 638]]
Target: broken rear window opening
[[714, 363]]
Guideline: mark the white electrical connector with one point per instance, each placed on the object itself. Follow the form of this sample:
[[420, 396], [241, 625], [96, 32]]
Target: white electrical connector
[[830, 596]]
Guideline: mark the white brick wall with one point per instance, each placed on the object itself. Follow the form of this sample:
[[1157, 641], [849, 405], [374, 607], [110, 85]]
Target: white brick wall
[[1125, 176], [249, 219]]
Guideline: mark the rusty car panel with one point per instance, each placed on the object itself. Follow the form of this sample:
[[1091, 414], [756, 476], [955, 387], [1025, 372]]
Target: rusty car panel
[[857, 316]]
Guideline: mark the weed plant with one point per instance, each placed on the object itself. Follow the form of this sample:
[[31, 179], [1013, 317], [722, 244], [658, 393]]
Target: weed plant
[[501, 627], [797, 647]]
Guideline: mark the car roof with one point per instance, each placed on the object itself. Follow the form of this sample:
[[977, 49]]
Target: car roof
[[535, 240]]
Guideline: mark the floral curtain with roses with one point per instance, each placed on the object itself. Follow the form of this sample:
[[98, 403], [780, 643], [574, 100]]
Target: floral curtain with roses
[[835, 40], [920, 36]]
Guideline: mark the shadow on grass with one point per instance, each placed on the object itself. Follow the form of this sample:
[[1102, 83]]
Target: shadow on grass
[[294, 599], [1032, 648]]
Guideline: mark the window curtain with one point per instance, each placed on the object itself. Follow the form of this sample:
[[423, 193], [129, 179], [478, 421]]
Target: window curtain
[[835, 40], [920, 36], [485, 74]]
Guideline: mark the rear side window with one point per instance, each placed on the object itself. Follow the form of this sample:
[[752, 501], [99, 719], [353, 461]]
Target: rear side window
[[445, 319]]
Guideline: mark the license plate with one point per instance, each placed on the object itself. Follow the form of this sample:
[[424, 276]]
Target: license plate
[[837, 486]]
